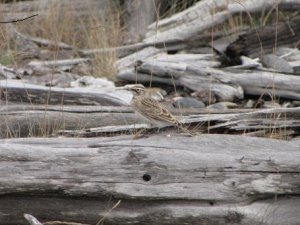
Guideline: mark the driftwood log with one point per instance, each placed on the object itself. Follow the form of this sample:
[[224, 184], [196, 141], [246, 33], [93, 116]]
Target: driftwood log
[[24, 121], [87, 121], [19, 91], [207, 179], [226, 85], [260, 41], [191, 29], [207, 14]]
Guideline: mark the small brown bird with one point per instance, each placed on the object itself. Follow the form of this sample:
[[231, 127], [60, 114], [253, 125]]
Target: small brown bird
[[151, 109]]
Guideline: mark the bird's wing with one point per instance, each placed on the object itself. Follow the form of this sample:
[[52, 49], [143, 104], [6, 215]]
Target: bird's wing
[[153, 109]]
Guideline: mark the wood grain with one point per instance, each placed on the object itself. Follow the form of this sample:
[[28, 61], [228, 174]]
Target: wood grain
[[209, 178]]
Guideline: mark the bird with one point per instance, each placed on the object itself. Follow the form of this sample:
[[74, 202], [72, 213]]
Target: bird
[[151, 109]]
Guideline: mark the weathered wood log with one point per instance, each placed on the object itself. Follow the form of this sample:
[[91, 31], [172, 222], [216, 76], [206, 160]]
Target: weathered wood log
[[126, 50], [207, 14], [132, 76], [14, 91], [172, 66], [121, 51], [224, 84], [52, 66], [255, 82], [207, 179], [176, 73], [260, 41], [44, 121], [130, 60], [58, 63], [91, 121]]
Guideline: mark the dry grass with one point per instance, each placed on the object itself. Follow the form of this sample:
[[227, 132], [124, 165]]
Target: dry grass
[[104, 34], [97, 29], [94, 30]]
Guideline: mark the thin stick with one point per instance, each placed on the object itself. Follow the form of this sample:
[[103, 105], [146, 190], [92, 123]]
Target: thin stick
[[19, 20]]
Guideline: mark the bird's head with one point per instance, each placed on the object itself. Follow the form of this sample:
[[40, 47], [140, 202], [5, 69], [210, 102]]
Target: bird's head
[[136, 89]]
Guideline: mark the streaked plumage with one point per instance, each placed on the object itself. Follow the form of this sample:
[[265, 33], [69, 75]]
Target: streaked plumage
[[150, 108], [153, 110]]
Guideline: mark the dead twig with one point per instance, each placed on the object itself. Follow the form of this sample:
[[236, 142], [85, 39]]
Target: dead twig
[[19, 20]]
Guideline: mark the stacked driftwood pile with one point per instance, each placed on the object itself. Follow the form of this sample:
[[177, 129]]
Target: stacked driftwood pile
[[200, 76], [245, 83]]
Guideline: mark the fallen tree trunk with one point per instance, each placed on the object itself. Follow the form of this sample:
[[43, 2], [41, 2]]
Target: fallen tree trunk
[[260, 41], [207, 179], [207, 14], [255, 82], [226, 85], [129, 61], [19, 91], [24, 121], [91, 121]]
